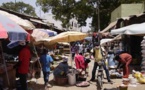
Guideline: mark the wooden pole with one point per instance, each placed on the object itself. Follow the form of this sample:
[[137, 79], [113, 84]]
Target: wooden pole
[[70, 55], [4, 61], [37, 55]]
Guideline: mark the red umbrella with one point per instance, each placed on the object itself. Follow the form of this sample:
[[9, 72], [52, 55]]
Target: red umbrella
[[3, 33], [9, 29]]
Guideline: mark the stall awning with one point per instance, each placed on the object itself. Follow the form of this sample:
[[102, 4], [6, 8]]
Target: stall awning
[[134, 29], [122, 30], [111, 25], [103, 41]]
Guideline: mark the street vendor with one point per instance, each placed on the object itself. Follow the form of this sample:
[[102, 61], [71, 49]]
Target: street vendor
[[23, 65], [62, 69], [124, 60], [80, 62]]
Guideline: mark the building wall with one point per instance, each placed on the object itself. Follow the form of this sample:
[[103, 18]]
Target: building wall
[[126, 10], [74, 25], [131, 9], [116, 14]]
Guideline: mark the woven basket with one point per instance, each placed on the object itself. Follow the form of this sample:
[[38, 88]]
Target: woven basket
[[61, 81]]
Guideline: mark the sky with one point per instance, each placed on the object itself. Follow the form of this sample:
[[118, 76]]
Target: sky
[[41, 14]]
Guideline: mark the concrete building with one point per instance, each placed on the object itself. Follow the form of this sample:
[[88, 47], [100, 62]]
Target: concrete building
[[125, 10], [73, 25]]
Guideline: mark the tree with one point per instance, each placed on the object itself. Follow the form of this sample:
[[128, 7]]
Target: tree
[[20, 7], [64, 10]]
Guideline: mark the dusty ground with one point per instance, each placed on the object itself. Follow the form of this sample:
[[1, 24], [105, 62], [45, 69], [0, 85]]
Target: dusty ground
[[117, 82]]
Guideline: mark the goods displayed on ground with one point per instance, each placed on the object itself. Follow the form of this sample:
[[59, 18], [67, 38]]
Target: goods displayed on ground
[[143, 55], [139, 76], [114, 74]]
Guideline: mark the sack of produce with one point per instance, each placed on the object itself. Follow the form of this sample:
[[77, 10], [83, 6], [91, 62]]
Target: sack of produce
[[141, 80], [143, 41], [143, 47], [143, 51]]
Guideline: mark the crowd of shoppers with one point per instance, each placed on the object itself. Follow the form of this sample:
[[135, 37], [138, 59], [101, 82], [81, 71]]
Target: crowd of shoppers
[[81, 55]]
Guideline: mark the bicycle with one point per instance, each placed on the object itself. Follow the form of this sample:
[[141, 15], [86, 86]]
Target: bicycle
[[100, 76]]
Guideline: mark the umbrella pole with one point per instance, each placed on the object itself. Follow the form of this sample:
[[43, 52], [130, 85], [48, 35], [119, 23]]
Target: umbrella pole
[[37, 55], [4, 61], [70, 54]]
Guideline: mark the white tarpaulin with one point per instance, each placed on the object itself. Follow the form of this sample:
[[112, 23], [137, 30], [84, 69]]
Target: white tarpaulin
[[122, 30], [136, 30], [103, 41]]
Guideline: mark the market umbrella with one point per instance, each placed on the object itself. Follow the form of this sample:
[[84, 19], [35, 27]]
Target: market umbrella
[[68, 36], [38, 35], [49, 32], [12, 31], [9, 29]]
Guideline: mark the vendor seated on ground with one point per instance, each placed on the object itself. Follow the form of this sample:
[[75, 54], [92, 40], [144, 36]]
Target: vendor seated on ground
[[62, 69]]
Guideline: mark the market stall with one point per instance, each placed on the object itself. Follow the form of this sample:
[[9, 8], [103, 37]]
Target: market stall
[[69, 36], [12, 32], [132, 36]]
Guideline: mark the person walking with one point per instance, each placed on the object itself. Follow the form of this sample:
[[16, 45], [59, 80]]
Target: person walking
[[23, 65], [46, 60], [124, 60]]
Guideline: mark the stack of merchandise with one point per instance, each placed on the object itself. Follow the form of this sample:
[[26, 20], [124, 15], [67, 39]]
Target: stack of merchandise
[[143, 55]]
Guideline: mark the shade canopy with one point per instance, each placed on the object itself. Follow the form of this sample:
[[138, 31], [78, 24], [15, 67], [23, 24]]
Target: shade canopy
[[122, 30], [9, 29], [103, 41], [136, 30], [69, 36], [38, 34], [49, 32]]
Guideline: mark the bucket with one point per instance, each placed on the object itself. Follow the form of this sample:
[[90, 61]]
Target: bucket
[[123, 87], [133, 81], [72, 79]]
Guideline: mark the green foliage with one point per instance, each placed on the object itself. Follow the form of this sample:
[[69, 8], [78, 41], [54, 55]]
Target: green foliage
[[20, 7], [67, 9], [64, 10]]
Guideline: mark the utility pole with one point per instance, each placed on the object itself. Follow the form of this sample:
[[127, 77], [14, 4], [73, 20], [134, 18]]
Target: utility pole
[[98, 14], [15, 5], [98, 18]]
